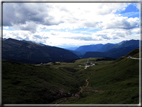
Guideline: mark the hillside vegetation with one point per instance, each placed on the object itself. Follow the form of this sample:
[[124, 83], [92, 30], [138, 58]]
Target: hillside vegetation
[[116, 82], [29, 52], [108, 82], [93, 54], [134, 53], [27, 84]]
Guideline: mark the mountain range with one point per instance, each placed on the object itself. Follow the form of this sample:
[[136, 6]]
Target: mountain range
[[30, 52], [107, 50], [87, 48]]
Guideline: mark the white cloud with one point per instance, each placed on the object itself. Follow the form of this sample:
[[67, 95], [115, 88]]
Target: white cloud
[[58, 38], [136, 30], [54, 14], [29, 20], [137, 5], [120, 23]]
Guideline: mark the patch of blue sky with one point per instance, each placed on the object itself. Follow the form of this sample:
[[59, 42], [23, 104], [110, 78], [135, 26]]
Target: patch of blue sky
[[130, 11], [131, 14], [131, 8], [87, 31], [8, 28]]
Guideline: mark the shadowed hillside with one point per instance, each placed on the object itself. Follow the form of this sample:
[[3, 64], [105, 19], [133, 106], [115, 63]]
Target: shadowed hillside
[[113, 53], [30, 84], [87, 48], [93, 54], [108, 82], [116, 82], [29, 52]]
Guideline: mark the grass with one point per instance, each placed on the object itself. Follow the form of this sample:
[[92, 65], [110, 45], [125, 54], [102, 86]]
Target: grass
[[23, 83], [113, 82], [134, 53], [119, 81]]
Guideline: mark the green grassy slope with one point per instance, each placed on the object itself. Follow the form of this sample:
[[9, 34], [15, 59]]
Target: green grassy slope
[[116, 82], [110, 82], [134, 53], [23, 83]]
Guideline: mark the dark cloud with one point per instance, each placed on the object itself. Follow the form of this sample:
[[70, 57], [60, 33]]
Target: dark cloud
[[37, 36], [21, 13], [16, 13], [119, 34], [104, 36], [114, 37], [91, 24], [8, 16], [30, 26]]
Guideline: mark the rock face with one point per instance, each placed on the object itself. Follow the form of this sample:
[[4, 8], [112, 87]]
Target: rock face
[[29, 52]]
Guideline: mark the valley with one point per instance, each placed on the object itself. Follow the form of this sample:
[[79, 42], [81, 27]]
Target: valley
[[108, 82], [72, 53]]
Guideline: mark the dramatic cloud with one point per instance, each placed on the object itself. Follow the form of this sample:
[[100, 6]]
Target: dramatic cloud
[[59, 24], [121, 23], [29, 26], [27, 16], [54, 14], [20, 13]]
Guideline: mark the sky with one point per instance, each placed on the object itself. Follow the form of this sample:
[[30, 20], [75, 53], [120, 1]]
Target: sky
[[71, 24]]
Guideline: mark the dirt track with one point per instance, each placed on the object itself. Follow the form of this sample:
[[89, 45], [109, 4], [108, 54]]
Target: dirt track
[[77, 95]]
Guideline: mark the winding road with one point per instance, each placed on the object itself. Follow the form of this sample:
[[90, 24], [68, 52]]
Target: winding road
[[135, 58]]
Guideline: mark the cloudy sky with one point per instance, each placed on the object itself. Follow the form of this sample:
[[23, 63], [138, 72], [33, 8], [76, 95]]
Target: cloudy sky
[[71, 24]]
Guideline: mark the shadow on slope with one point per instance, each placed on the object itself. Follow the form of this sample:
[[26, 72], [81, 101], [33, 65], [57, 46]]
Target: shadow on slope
[[116, 83], [29, 84]]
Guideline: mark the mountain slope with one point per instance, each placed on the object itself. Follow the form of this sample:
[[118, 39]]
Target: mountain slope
[[87, 48], [30, 84], [79, 53], [29, 52], [134, 53], [115, 50], [106, 47], [112, 53], [128, 43], [118, 52], [93, 54], [113, 83]]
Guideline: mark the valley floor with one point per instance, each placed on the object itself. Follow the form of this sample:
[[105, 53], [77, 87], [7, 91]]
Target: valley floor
[[107, 82]]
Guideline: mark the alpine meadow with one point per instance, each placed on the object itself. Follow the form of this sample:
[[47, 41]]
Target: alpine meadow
[[73, 54]]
